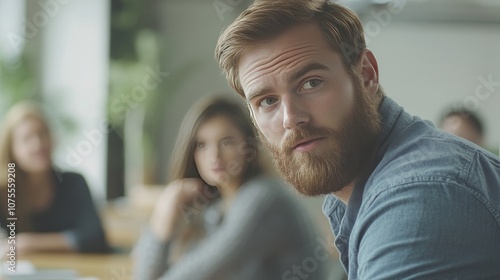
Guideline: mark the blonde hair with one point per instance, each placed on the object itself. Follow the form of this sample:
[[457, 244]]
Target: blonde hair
[[14, 117], [266, 19]]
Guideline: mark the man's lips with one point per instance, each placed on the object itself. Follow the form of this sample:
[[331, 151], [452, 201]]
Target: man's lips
[[307, 144]]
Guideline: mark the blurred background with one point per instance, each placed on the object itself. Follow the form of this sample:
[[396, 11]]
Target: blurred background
[[117, 76]]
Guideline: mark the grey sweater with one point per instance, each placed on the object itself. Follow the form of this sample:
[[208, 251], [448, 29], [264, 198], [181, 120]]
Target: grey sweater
[[265, 235]]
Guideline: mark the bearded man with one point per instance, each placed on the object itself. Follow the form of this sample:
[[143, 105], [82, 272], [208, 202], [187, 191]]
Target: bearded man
[[404, 199]]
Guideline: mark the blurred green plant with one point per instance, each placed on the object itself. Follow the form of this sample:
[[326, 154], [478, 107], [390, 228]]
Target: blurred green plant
[[16, 79]]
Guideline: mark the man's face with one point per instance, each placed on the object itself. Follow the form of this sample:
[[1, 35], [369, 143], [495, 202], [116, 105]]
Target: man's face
[[462, 127], [319, 123]]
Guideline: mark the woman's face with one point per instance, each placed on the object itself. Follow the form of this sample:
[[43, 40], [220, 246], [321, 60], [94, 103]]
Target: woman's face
[[32, 146], [219, 153]]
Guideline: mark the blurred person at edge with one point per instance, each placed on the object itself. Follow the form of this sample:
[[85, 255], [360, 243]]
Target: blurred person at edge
[[54, 209], [404, 199], [220, 217], [465, 124]]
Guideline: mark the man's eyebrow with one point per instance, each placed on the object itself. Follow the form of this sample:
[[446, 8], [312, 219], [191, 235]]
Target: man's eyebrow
[[257, 93], [294, 76], [302, 71]]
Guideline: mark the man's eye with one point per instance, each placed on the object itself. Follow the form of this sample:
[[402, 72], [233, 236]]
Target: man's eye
[[311, 84], [267, 101]]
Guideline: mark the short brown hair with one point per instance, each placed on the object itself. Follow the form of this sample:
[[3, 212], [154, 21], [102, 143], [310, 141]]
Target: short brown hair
[[266, 19]]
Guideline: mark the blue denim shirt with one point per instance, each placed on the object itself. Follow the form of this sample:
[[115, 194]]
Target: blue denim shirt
[[428, 208]]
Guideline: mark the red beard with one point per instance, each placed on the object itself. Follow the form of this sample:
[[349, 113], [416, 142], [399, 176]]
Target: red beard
[[339, 159]]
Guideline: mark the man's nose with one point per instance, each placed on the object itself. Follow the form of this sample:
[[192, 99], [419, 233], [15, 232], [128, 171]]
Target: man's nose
[[294, 112]]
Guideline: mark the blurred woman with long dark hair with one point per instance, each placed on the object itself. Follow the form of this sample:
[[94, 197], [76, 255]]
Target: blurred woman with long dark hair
[[220, 217]]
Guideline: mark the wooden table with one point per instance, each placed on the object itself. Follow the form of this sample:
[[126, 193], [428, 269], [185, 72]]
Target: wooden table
[[101, 266]]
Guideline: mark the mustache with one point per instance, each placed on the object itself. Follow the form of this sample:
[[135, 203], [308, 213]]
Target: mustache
[[304, 132]]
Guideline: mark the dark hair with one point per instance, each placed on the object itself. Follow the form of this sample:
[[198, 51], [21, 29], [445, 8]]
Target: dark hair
[[182, 163], [465, 114]]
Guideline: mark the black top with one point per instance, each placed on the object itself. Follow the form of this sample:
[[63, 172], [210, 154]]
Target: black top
[[72, 212]]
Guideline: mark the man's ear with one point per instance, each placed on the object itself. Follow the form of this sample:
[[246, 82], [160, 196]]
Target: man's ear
[[369, 72]]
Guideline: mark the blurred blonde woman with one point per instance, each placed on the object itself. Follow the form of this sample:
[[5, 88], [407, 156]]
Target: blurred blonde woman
[[251, 227], [54, 209]]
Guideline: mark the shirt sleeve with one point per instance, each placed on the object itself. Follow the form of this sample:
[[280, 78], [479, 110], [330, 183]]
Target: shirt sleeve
[[150, 256], [426, 231], [87, 234], [248, 228]]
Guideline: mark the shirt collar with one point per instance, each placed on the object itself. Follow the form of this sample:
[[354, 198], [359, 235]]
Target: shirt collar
[[393, 121]]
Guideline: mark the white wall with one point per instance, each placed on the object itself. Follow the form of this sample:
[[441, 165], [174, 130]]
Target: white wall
[[436, 55], [11, 18], [428, 67], [74, 69]]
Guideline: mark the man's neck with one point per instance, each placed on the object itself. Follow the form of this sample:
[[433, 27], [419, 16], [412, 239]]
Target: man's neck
[[345, 194]]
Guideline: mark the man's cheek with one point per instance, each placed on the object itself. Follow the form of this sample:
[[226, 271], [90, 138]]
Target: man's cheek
[[264, 128], [261, 132]]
